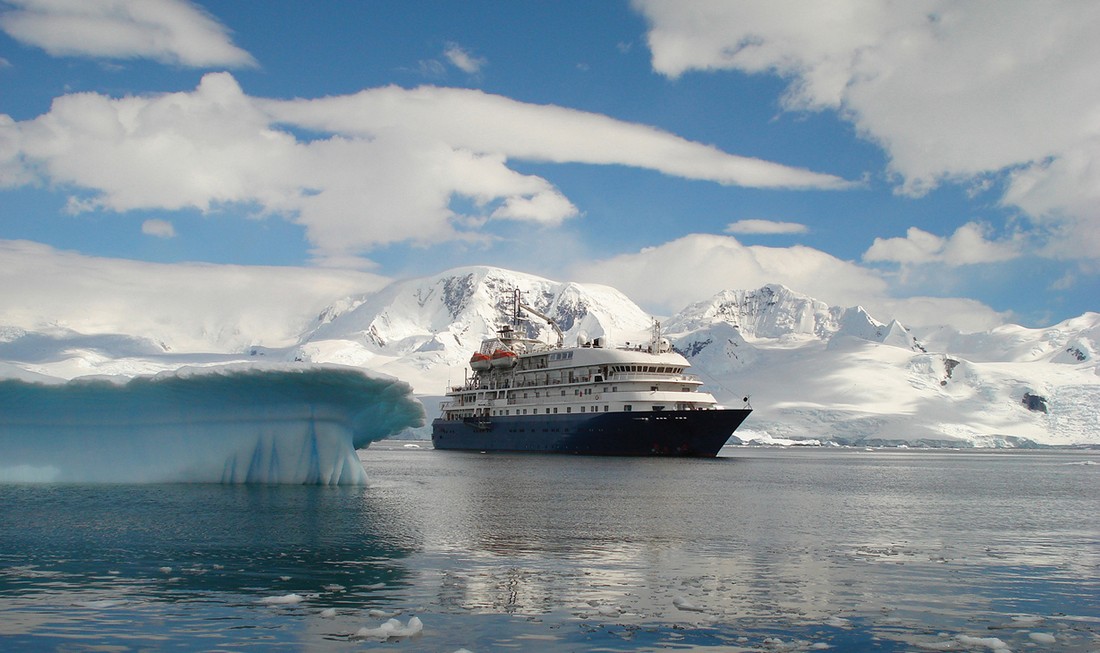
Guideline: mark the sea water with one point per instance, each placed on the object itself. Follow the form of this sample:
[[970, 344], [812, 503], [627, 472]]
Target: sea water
[[757, 550]]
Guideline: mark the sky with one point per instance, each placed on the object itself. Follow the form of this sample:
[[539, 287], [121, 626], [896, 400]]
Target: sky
[[935, 162]]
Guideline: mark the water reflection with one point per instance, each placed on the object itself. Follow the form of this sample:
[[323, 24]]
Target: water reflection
[[768, 550], [99, 563], [816, 541]]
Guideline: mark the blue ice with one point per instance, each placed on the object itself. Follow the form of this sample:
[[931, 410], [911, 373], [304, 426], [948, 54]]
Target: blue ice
[[242, 423]]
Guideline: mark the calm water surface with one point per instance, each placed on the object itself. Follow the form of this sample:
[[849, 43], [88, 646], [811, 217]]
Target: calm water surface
[[758, 550]]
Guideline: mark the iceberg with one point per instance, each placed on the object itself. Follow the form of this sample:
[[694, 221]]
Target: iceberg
[[287, 423]]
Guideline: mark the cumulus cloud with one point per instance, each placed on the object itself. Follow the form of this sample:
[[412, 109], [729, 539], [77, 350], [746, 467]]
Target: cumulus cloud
[[950, 90], [967, 246], [184, 305], [158, 228], [765, 227], [666, 278], [170, 31], [382, 166]]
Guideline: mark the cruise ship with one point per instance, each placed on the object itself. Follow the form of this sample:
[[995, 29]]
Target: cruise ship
[[593, 398]]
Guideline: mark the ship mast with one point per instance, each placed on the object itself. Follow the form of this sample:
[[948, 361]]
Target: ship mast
[[517, 304]]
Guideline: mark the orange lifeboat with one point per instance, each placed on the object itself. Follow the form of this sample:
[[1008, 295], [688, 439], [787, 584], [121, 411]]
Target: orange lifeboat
[[503, 359], [480, 362]]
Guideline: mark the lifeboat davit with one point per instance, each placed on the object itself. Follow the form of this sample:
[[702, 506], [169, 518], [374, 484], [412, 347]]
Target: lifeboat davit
[[480, 361], [503, 360]]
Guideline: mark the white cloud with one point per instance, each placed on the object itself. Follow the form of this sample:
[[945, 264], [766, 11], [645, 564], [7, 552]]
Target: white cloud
[[485, 123], [967, 246], [158, 228], [951, 90], [462, 59], [965, 315], [170, 31], [187, 306], [385, 170], [765, 227], [666, 278], [670, 276], [431, 68]]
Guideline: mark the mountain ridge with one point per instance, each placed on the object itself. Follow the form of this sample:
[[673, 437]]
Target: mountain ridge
[[814, 372]]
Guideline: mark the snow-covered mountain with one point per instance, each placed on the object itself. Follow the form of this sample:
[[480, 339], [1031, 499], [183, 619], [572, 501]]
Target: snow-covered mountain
[[813, 372], [424, 330], [837, 374]]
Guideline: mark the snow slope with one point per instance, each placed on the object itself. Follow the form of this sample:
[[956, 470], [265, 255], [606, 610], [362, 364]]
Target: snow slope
[[812, 371], [424, 330], [833, 374]]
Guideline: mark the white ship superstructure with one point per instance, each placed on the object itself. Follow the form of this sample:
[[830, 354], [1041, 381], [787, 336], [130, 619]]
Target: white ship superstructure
[[516, 376], [634, 399]]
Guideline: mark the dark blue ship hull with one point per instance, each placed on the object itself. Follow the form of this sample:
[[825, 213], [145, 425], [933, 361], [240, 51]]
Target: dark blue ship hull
[[697, 433]]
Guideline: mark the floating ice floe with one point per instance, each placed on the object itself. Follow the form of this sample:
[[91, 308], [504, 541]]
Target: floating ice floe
[[684, 604], [992, 643], [777, 644], [391, 629], [286, 599]]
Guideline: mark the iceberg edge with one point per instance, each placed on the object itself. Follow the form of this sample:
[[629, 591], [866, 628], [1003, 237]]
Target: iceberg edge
[[290, 423]]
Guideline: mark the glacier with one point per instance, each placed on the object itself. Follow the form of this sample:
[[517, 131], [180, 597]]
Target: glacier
[[289, 423]]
